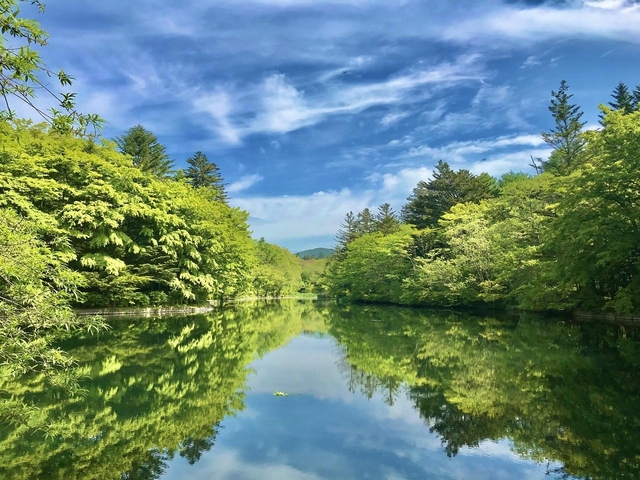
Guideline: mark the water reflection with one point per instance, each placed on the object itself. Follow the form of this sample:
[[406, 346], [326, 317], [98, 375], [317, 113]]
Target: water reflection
[[389, 393]]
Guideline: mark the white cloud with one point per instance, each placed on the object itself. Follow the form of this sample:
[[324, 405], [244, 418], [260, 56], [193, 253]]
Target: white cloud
[[229, 463], [276, 106], [610, 19], [353, 65], [517, 161], [302, 216], [219, 106], [531, 62], [397, 186], [393, 117], [607, 4], [459, 152], [244, 183]]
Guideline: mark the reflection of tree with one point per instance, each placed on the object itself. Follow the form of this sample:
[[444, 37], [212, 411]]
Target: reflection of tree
[[157, 389], [566, 393]]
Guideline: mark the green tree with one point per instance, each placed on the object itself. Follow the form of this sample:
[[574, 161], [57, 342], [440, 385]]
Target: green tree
[[22, 71], [204, 173], [136, 239], [36, 287], [636, 98], [597, 232], [622, 99], [347, 232], [146, 152], [387, 221], [373, 268], [277, 272], [430, 200], [366, 221], [566, 137]]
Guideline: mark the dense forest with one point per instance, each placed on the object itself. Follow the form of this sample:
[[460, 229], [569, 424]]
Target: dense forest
[[565, 239]]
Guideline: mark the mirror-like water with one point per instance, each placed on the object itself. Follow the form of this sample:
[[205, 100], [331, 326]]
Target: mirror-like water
[[369, 393]]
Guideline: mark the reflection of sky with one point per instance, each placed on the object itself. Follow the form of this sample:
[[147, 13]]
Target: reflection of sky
[[322, 431]]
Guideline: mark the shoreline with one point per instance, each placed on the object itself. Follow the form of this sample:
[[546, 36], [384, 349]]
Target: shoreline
[[629, 319], [177, 310]]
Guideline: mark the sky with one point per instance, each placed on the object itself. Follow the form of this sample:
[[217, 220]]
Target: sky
[[313, 108]]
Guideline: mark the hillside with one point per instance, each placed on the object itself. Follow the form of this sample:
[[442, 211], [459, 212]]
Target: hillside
[[316, 253]]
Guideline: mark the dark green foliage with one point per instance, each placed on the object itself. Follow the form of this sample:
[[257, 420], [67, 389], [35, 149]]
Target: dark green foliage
[[348, 232], [145, 150], [430, 200], [387, 221], [317, 253], [622, 99], [636, 98], [366, 222], [566, 137], [203, 173]]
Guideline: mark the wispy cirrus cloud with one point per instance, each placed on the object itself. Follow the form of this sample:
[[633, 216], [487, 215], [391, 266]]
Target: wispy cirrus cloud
[[460, 152], [244, 183], [276, 106]]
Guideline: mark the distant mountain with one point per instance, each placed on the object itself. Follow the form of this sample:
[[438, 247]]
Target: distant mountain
[[316, 253]]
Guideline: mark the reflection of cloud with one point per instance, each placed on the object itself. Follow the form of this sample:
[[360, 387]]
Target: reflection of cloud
[[228, 464], [329, 433], [294, 369]]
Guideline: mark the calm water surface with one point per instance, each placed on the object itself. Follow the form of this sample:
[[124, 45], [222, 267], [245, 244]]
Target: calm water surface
[[372, 393]]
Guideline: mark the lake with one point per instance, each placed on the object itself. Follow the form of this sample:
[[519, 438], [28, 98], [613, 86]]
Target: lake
[[307, 390]]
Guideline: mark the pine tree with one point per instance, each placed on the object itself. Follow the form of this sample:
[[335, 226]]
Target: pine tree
[[147, 153], [566, 138], [636, 98], [430, 200], [623, 100], [347, 233], [204, 173], [386, 220], [366, 222]]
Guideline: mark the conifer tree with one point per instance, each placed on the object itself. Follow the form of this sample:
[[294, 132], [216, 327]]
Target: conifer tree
[[204, 173], [622, 99], [636, 98], [147, 153], [386, 220], [366, 221], [430, 200], [566, 138], [348, 232]]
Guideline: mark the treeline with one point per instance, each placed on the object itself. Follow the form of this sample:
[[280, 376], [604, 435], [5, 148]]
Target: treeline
[[136, 234], [565, 238]]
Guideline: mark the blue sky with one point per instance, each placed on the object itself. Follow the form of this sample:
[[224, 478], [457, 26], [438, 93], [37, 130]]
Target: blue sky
[[313, 108]]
